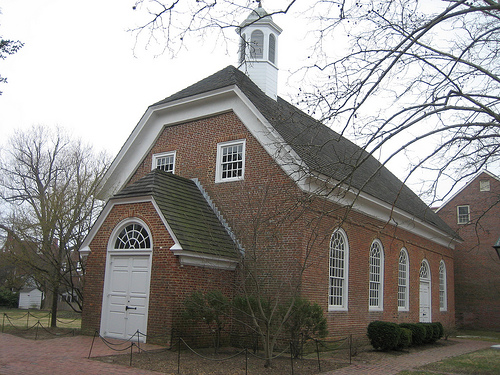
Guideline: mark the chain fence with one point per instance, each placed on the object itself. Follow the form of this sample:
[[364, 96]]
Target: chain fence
[[17, 324], [178, 343]]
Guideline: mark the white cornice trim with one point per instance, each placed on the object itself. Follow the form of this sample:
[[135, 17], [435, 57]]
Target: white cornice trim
[[380, 210]]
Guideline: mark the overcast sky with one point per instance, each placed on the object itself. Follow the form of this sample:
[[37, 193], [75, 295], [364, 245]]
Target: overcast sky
[[78, 70]]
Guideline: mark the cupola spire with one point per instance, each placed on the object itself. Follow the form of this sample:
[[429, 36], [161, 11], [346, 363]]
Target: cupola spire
[[259, 50]]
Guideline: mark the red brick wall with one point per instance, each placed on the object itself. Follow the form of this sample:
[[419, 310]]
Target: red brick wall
[[170, 282], [477, 267], [287, 229]]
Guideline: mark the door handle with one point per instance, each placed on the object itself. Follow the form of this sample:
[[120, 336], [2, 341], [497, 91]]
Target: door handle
[[130, 308]]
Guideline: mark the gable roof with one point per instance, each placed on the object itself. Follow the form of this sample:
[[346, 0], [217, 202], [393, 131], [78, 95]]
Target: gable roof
[[476, 176], [191, 219], [324, 151]]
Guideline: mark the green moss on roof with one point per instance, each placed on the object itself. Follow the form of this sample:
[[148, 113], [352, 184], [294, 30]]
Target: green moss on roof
[[194, 223]]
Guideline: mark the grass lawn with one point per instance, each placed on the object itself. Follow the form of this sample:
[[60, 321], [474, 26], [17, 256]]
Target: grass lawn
[[482, 362], [18, 319]]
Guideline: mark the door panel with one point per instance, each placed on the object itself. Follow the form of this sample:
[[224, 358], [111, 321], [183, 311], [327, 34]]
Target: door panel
[[128, 295], [425, 302]]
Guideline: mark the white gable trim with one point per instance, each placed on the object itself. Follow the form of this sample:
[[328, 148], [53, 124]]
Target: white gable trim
[[186, 257], [467, 184], [231, 98]]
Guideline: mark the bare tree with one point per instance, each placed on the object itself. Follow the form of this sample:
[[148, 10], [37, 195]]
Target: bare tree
[[48, 182], [408, 80]]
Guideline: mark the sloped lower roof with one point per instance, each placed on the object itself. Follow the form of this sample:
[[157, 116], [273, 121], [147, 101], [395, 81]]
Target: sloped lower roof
[[323, 150], [186, 211]]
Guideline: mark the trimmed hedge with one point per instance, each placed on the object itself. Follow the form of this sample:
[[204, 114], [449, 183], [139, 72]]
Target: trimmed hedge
[[384, 335], [391, 336], [418, 332]]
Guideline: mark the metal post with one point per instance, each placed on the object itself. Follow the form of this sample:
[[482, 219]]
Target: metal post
[[92, 345], [131, 350], [350, 348], [246, 361], [179, 357], [3, 321], [317, 351], [291, 354]]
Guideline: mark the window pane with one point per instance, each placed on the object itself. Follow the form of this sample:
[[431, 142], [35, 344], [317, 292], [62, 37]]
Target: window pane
[[337, 270], [256, 44]]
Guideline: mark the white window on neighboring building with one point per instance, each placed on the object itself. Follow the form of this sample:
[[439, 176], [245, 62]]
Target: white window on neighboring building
[[443, 295], [484, 185], [257, 44], [230, 161], [339, 266], [164, 161], [376, 287], [403, 280], [243, 42], [463, 214]]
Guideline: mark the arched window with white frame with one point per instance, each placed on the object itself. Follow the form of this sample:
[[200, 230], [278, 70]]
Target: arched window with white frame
[[376, 286], [339, 271], [132, 236], [443, 295], [403, 280], [257, 44], [272, 48]]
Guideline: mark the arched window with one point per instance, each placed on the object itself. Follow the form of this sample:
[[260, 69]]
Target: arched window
[[443, 303], [272, 48], [403, 280], [425, 272], [243, 42], [257, 44], [133, 236], [339, 262], [376, 288]]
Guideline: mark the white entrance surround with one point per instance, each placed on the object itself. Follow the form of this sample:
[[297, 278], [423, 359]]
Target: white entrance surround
[[127, 280], [425, 293]]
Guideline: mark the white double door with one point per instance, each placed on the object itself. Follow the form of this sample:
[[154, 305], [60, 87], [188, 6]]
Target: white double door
[[126, 296]]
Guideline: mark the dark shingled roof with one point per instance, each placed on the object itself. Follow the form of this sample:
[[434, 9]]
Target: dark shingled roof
[[323, 150], [185, 209]]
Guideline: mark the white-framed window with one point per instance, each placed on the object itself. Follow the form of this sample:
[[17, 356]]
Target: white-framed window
[[230, 161], [339, 271], [463, 214], [243, 42], [403, 280], [376, 287], [425, 272], [257, 44], [164, 161], [132, 236], [443, 295], [484, 185], [272, 48]]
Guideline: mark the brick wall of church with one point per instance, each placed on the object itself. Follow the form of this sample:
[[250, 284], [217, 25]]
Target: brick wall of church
[[267, 209]]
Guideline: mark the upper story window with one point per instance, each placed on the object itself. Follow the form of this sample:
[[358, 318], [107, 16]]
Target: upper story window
[[484, 185], [376, 287], [164, 161], [463, 214], [257, 44], [272, 48], [443, 303], [230, 161], [339, 266], [403, 280], [425, 272]]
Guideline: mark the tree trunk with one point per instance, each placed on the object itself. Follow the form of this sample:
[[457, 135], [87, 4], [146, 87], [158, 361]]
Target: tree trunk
[[53, 310]]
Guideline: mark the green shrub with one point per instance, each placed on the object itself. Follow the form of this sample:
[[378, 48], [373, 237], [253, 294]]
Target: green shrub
[[428, 332], [418, 332], [405, 339], [433, 332], [384, 335], [8, 298], [441, 329]]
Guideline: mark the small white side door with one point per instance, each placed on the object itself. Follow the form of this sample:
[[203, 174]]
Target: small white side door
[[425, 302]]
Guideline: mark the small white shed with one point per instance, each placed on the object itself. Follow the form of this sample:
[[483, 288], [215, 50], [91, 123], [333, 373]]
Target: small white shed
[[30, 298]]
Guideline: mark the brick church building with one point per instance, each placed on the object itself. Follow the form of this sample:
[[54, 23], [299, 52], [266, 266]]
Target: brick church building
[[474, 213], [225, 173]]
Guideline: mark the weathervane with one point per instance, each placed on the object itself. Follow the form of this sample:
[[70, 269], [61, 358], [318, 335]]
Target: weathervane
[[260, 3]]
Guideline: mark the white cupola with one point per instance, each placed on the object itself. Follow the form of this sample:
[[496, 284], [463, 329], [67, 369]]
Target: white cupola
[[259, 50]]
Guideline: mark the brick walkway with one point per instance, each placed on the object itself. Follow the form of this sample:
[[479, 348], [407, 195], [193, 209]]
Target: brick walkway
[[410, 361], [69, 355]]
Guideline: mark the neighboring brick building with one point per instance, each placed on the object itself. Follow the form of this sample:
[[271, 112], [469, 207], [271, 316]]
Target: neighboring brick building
[[224, 174], [474, 213]]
